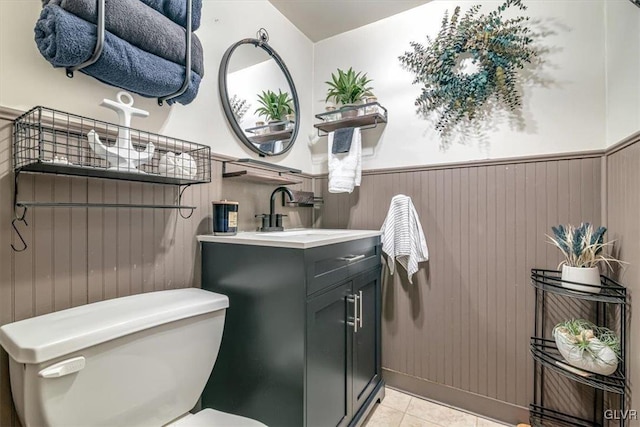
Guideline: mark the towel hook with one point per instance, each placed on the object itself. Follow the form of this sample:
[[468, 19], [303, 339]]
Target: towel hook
[[15, 229], [97, 51], [180, 192]]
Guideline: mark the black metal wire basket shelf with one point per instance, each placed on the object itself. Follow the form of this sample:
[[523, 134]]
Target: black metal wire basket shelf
[[606, 305], [539, 415], [50, 141], [545, 351], [609, 291]]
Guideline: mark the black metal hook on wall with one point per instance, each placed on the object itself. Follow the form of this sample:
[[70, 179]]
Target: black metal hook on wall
[[180, 192], [21, 218]]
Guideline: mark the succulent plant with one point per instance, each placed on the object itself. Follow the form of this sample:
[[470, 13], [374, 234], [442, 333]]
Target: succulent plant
[[583, 334], [274, 106], [348, 87]]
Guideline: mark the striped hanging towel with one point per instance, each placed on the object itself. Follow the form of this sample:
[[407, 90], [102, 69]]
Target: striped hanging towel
[[402, 236]]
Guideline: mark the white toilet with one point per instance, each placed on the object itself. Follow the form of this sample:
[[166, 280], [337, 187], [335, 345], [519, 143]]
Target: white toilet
[[141, 360]]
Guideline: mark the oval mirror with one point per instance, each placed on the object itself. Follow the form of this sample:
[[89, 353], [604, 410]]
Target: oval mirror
[[259, 97]]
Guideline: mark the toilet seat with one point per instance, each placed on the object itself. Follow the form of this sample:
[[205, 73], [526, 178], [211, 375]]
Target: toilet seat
[[212, 418]]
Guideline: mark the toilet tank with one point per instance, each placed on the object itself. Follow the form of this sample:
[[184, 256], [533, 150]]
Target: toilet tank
[[140, 360]]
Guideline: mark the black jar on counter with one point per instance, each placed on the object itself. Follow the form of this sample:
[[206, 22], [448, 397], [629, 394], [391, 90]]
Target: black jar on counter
[[225, 218]]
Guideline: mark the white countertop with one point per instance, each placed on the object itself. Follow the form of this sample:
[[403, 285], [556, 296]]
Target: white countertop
[[301, 238]]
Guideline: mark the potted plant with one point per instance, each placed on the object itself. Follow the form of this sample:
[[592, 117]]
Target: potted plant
[[587, 346], [274, 107], [348, 88], [582, 248]]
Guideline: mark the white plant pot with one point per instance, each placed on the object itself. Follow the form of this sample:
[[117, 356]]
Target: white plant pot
[[605, 362], [588, 276]]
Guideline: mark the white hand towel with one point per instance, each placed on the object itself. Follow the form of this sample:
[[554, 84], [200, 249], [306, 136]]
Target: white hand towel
[[402, 236], [345, 169]]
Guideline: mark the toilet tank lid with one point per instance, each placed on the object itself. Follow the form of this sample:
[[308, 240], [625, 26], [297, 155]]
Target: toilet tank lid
[[53, 335]]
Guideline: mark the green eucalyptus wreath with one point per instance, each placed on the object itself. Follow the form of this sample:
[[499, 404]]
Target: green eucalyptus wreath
[[497, 46]]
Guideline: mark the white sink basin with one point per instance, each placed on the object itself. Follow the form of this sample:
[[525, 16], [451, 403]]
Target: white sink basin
[[303, 232], [301, 238]]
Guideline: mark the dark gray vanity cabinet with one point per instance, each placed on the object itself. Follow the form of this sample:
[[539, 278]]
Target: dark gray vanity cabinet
[[343, 355], [367, 363], [329, 345], [301, 343]]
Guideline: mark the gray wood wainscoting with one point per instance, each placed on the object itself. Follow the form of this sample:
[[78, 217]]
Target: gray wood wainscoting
[[623, 219], [460, 334]]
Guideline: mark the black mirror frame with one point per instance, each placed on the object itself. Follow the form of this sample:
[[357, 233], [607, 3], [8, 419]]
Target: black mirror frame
[[224, 95]]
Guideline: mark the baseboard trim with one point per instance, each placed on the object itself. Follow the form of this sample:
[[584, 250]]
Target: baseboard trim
[[469, 402]]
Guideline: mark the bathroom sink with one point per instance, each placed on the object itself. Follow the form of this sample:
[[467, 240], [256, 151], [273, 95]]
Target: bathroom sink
[[300, 238], [303, 232]]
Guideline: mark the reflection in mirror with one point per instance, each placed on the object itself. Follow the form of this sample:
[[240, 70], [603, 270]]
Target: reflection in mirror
[[259, 97]]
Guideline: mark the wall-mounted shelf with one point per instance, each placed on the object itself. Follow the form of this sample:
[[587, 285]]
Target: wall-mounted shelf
[[89, 172], [271, 136], [48, 141], [261, 178], [369, 116], [259, 172], [43, 136], [302, 199]]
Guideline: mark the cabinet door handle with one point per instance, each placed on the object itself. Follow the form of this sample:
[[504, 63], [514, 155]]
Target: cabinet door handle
[[356, 323], [352, 258], [360, 311]]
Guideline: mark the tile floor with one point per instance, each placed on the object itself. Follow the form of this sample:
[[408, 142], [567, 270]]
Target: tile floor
[[402, 410]]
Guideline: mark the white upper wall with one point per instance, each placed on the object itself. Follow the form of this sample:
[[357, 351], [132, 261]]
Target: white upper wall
[[623, 69], [566, 114], [592, 96], [27, 79]]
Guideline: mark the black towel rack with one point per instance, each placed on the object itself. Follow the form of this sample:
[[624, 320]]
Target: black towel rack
[[97, 51]]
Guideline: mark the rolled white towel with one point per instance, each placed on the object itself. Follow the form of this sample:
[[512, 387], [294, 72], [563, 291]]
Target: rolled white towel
[[178, 165]]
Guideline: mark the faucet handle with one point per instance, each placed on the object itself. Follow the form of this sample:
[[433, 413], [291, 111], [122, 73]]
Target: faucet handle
[[279, 219], [265, 220]]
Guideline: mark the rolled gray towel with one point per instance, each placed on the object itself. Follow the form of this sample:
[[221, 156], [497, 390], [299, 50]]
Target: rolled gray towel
[[176, 10], [66, 40], [141, 26]]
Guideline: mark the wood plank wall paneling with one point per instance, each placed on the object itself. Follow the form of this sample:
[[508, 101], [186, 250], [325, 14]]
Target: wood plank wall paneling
[[466, 321], [623, 211], [77, 255]]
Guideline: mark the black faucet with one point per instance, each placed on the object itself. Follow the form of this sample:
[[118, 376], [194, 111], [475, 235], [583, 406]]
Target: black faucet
[[273, 221]]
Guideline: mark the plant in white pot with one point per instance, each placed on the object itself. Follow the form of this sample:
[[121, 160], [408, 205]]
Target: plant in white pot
[[348, 88], [587, 346], [274, 107], [582, 248]]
